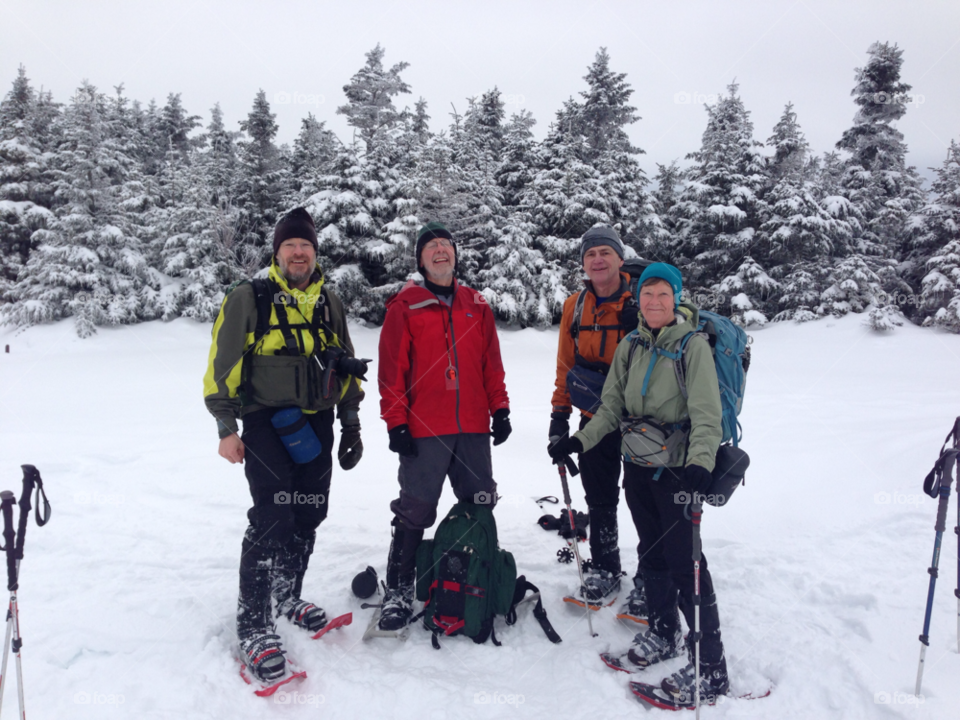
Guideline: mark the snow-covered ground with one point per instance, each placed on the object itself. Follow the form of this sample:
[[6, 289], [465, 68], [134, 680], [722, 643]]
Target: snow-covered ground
[[128, 595]]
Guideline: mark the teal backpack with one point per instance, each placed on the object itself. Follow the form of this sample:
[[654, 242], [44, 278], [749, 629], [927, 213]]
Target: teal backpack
[[730, 346], [465, 580]]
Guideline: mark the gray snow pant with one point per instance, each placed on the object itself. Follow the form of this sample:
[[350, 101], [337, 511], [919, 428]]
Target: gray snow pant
[[464, 458]]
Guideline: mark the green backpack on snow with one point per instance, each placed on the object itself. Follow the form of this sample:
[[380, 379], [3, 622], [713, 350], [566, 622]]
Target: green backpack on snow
[[465, 580]]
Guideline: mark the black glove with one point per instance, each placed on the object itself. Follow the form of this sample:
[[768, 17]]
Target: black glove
[[351, 447], [401, 441], [353, 366], [697, 479], [501, 426], [563, 448], [559, 424]]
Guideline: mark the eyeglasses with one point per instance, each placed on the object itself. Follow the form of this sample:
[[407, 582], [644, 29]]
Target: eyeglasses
[[438, 243]]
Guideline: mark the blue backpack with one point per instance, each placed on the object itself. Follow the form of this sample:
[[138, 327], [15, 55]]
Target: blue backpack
[[731, 356]]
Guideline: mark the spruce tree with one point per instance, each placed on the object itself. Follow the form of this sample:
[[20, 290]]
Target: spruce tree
[[89, 266], [940, 243], [719, 209], [25, 193], [259, 188]]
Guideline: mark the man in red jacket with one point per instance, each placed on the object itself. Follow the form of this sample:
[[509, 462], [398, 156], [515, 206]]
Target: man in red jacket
[[441, 380]]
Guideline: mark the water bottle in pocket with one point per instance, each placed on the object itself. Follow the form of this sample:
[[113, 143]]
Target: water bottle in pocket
[[296, 434]]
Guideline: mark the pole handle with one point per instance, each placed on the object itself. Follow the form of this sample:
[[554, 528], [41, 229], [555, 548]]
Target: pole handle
[[7, 501]]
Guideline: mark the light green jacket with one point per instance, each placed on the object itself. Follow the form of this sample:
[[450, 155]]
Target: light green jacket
[[622, 391]]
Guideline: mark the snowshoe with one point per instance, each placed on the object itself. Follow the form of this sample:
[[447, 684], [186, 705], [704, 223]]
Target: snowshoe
[[337, 622], [303, 614], [263, 665], [649, 648], [619, 662], [396, 609], [713, 683], [635, 608]]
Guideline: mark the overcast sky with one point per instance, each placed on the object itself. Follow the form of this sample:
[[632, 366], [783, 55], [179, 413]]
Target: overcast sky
[[676, 57]]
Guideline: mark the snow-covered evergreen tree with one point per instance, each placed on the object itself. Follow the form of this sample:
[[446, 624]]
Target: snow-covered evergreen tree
[[25, 193], [260, 186], [940, 241], [719, 209], [88, 265]]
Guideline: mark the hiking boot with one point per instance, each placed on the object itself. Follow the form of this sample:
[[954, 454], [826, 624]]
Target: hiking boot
[[635, 608], [713, 684], [397, 608], [649, 648], [263, 654], [600, 587], [303, 614]]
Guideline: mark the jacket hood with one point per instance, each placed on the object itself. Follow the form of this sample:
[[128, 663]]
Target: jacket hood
[[688, 318]]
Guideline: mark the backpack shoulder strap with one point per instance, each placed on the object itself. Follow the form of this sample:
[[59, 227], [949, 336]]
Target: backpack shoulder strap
[[261, 293], [519, 596], [577, 320], [680, 362]]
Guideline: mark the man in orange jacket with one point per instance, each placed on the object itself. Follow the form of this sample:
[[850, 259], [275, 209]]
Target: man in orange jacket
[[593, 323]]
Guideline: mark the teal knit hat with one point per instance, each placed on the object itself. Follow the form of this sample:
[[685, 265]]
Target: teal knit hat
[[663, 271]]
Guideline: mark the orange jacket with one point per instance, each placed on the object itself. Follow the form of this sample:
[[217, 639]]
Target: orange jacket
[[600, 332]]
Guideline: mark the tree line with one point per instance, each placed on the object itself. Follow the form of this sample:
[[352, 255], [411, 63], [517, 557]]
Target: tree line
[[114, 212]]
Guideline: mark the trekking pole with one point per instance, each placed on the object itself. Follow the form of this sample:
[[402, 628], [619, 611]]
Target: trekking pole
[[696, 510], [574, 470], [937, 484], [13, 546]]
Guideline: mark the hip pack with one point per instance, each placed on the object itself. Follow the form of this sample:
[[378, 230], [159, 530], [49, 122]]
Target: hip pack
[[650, 443]]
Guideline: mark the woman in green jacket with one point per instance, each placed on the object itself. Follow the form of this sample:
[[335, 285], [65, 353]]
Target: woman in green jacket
[[657, 489]]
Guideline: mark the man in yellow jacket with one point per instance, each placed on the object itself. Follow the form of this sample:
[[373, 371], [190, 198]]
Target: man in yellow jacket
[[594, 321], [281, 361]]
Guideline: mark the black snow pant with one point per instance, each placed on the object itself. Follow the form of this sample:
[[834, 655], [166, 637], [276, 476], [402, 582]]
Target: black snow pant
[[600, 474], [660, 513], [289, 502]]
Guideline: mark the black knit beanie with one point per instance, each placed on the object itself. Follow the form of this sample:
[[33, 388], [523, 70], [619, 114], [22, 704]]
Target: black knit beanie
[[429, 232], [295, 224]]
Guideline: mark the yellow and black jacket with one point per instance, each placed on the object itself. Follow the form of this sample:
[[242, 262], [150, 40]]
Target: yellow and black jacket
[[280, 369]]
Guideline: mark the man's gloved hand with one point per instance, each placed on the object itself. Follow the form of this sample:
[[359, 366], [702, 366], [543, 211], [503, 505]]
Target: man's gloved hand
[[696, 478], [563, 447], [401, 441], [353, 366], [559, 424], [501, 426], [351, 447]]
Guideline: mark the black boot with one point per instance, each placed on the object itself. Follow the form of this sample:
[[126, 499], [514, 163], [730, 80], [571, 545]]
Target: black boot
[[397, 607], [253, 608], [602, 579], [259, 645], [291, 565]]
